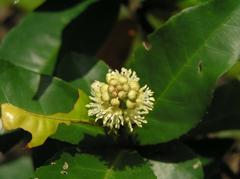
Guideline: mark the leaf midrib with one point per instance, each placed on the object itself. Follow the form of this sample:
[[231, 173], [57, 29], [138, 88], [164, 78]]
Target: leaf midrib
[[59, 119]]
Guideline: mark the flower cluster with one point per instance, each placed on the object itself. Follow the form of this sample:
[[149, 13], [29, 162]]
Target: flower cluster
[[120, 101]]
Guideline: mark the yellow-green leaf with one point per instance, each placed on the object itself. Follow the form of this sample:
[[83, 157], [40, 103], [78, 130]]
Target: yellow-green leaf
[[41, 126]]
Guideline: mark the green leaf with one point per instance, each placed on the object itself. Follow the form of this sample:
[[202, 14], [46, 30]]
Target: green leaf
[[186, 3], [78, 113], [21, 168], [76, 132], [35, 42], [79, 75], [40, 126], [98, 72], [187, 55], [191, 169], [121, 165], [166, 161], [33, 92], [82, 76], [173, 160], [19, 87]]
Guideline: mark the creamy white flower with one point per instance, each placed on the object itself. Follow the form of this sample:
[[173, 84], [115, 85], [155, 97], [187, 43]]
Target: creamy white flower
[[120, 100]]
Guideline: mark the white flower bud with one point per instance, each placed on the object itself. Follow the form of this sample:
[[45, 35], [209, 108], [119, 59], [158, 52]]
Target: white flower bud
[[130, 104], [115, 102], [132, 95], [104, 88], [105, 96], [113, 82], [122, 79], [122, 94], [119, 87], [114, 94], [134, 85], [108, 77], [96, 86], [126, 87], [111, 89]]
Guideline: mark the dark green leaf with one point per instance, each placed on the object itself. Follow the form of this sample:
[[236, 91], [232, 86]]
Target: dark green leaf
[[121, 165], [82, 76], [167, 161], [173, 160], [35, 42], [20, 87], [34, 92], [76, 132], [181, 64]]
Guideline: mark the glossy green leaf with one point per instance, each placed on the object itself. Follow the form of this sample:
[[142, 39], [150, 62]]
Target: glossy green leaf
[[78, 113], [173, 160], [21, 168], [43, 126], [79, 75], [35, 42], [121, 165], [33, 92], [167, 161], [26, 90], [98, 72], [181, 64], [76, 132]]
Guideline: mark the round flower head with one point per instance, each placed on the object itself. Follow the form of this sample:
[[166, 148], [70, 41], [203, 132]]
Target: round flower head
[[120, 100]]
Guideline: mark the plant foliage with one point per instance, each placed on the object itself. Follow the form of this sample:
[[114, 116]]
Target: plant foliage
[[49, 60]]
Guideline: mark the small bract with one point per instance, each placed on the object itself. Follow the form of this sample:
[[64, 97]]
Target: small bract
[[120, 100]]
